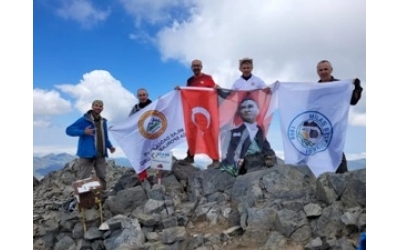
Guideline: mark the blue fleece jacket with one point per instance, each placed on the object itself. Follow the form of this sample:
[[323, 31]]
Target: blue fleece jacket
[[87, 143]]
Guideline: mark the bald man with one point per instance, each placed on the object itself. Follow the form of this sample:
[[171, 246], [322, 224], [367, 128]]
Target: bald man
[[199, 79], [324, 71]]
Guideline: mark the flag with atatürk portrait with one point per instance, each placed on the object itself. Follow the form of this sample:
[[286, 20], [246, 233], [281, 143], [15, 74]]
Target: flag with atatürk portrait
[[245, 117], [229, 117]]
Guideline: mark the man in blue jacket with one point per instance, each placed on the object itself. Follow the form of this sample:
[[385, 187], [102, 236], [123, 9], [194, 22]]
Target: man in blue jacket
[[93, 143]]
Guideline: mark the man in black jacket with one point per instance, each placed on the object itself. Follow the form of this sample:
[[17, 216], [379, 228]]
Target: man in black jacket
[[324, 70], [144, 100]]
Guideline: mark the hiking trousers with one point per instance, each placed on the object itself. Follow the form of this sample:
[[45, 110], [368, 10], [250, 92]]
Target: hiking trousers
[[343, 166], [86, 166]]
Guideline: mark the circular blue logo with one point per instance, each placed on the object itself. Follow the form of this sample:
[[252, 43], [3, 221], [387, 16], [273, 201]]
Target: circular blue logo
[[310, 132]]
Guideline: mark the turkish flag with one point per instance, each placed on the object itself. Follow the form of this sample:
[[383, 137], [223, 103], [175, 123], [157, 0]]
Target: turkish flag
[[200, 111]]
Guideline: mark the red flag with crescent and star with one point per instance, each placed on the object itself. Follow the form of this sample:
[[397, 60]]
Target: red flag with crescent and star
[[201, 116]]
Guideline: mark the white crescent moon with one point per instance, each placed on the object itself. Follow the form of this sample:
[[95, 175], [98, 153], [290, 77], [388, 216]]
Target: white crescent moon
[[203, 111]]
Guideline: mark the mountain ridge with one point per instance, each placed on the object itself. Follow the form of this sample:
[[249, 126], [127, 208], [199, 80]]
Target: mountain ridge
[[43, 165]]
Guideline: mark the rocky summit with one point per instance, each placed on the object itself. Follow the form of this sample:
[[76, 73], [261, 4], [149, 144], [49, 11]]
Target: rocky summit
[[282, 207]]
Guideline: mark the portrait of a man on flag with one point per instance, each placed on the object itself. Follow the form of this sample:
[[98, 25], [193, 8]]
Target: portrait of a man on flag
[[244, 121]]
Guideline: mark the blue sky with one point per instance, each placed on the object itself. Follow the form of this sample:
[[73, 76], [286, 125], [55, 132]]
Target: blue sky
[[86, 50]]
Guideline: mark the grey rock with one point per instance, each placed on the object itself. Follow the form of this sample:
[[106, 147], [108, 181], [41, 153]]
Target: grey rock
[[312, 210], [93, 234], [282, 206], [171, 235], [275, 240], [66, 243]]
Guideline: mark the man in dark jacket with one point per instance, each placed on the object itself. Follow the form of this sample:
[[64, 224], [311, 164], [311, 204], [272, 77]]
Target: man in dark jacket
[[324, 70], [144, 100], [93, 143]]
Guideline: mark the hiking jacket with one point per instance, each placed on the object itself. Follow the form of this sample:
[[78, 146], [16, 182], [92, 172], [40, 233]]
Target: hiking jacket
[[139, 106], [87, 143]]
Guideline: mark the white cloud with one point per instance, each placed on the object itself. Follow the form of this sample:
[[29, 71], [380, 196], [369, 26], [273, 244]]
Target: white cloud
[[352, 157], [357, 113], [285, 40], [49, 103], [100, 84], [41, 123], [45, 150], [142, 37], [357, 119], [83, 12], [156, 11]]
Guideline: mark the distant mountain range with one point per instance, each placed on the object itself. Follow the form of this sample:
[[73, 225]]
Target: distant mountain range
[[52, 162], [356, 164], [49, 163]]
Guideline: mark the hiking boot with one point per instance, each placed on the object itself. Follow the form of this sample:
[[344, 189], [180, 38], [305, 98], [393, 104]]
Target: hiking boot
[[189, 159], [270, 161], [213, 165]]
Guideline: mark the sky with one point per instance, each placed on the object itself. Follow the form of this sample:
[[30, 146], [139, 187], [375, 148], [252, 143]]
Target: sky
[[65, 49], [85, 50]]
